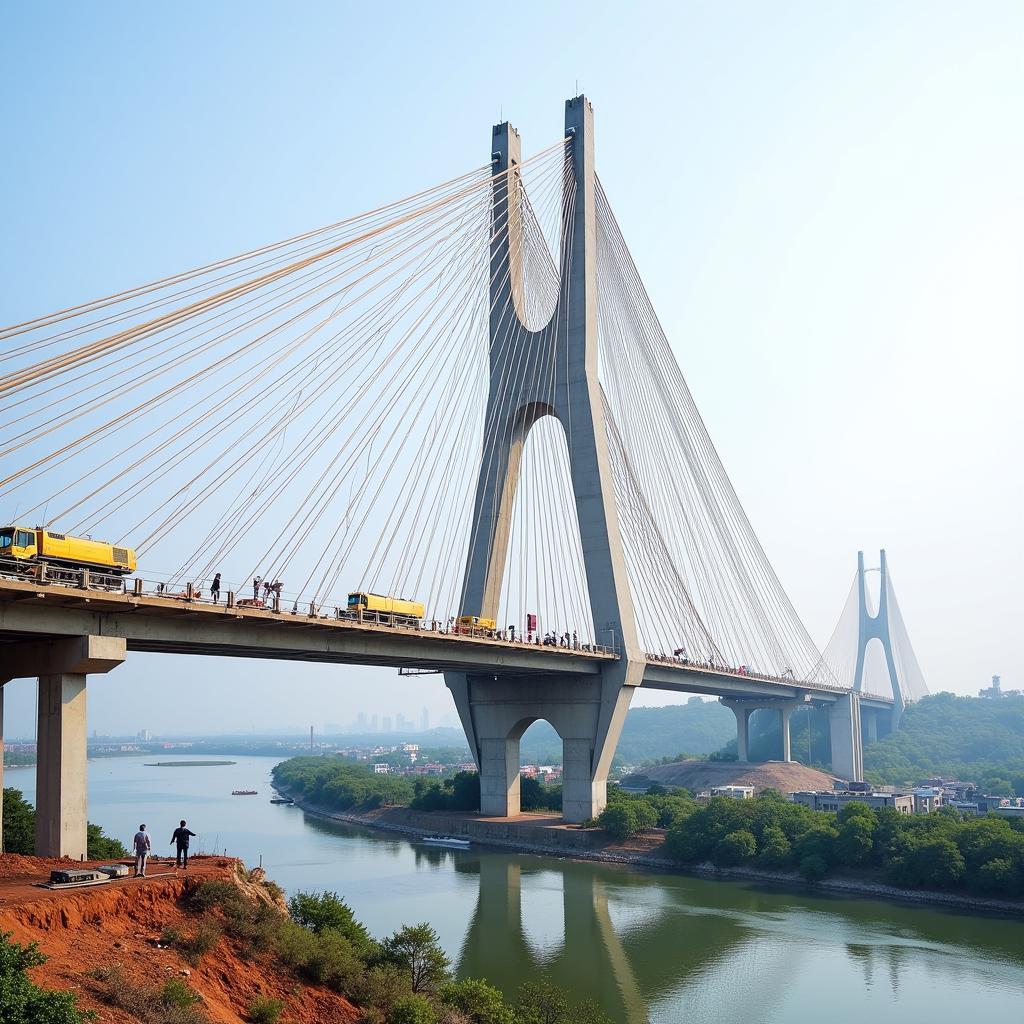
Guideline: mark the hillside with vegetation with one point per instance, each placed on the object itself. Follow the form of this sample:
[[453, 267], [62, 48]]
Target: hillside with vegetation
[[970, 738]]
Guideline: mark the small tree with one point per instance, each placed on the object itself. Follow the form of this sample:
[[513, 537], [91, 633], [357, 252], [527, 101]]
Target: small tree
[[735, 848], [618, 820], [323, 910], [776, 851], [417, 950]]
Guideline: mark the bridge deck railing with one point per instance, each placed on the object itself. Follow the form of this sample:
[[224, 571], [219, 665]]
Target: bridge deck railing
[[137, 586]]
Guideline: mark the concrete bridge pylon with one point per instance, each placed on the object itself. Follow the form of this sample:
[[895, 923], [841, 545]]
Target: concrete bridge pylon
[[537, 373]]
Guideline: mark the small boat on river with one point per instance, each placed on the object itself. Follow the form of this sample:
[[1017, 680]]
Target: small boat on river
[[455, 842], [243, 792]]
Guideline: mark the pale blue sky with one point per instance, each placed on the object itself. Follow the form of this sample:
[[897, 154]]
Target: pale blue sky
[[824, 200]]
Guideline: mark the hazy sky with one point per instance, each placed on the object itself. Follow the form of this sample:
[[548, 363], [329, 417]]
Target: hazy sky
[[825, 201]]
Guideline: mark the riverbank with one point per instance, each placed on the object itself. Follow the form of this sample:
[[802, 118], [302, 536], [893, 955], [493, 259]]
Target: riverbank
[[547, 835]]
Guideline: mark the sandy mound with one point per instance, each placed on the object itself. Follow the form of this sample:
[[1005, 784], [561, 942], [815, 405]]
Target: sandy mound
[[699, 776]]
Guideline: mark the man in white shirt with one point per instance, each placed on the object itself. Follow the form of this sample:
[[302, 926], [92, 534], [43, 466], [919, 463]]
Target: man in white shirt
[[142, 847]]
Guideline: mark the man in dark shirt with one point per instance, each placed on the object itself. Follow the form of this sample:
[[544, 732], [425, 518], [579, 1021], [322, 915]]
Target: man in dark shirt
[[180, 839]]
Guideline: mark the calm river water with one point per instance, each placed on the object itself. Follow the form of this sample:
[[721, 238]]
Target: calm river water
[[649, 947]]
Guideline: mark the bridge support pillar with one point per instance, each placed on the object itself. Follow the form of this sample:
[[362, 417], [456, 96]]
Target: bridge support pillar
[[785, 713], [61, 786], [742, 711], [847, 749], [61, 781], [870, 720], [587, 713]]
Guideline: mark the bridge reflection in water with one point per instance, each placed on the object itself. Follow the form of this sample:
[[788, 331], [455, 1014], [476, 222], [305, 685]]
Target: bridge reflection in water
[[675, 948]]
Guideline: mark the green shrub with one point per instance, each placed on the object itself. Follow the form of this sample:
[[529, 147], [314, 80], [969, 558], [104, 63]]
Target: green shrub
[[177, 995], [997, 877], [735, 848], [326, 910], [813, 867], [412, 1010], [335, 963], [479, 1002], [776, 850], [381, 987], [173, 1003], [204, 939], [22, 1001], [264, 1011]]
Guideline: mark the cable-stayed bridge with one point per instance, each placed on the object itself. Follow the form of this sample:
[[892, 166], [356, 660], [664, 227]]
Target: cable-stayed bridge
[[463, 398]]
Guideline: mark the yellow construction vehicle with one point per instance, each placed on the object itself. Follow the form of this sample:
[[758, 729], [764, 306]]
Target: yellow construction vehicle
[[33, 547], [388, 610], [474, 623]]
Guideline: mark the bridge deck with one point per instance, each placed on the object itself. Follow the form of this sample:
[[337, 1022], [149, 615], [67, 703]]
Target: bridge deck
[[29, 612]]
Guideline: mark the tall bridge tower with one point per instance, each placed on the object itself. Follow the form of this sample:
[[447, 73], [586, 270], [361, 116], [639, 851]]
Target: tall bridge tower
[[886, 626], [536, 373]]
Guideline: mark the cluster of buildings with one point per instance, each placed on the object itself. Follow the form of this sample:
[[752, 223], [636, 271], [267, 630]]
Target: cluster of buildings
[[929, 796]]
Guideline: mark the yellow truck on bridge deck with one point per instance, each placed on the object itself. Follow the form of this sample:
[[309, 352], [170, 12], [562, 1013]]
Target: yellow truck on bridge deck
[[31, 547]]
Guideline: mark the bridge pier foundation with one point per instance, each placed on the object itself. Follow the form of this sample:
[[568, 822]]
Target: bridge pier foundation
[[61, 781], [845, 728]]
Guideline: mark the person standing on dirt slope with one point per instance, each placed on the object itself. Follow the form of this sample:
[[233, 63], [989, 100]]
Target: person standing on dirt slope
[[142, 847], [180, 837]]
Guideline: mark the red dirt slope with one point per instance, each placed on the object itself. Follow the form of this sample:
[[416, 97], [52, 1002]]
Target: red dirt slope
[[119, 923]]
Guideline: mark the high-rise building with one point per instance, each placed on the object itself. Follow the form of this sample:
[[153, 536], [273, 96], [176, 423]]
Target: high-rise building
[[385, 723], [374, 723], [424, 720]]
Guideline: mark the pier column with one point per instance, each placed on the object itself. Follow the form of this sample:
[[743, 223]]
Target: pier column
[[61, 782], [61, 778], [785, 713], [742, 711], [499, 777], [870, 720], [844, 726]]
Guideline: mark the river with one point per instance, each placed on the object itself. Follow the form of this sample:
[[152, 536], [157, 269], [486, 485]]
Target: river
[[648, 947]]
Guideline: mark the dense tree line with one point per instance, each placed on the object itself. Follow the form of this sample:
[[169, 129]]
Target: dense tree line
[[19, 831], [339, 784], [942, 850]]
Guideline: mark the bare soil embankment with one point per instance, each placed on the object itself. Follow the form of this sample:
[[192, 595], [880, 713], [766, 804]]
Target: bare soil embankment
[[700, 776], [120, 923]]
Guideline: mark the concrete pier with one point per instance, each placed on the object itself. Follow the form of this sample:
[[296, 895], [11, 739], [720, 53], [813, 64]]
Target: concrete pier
[[61, 778], [844, 725]]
